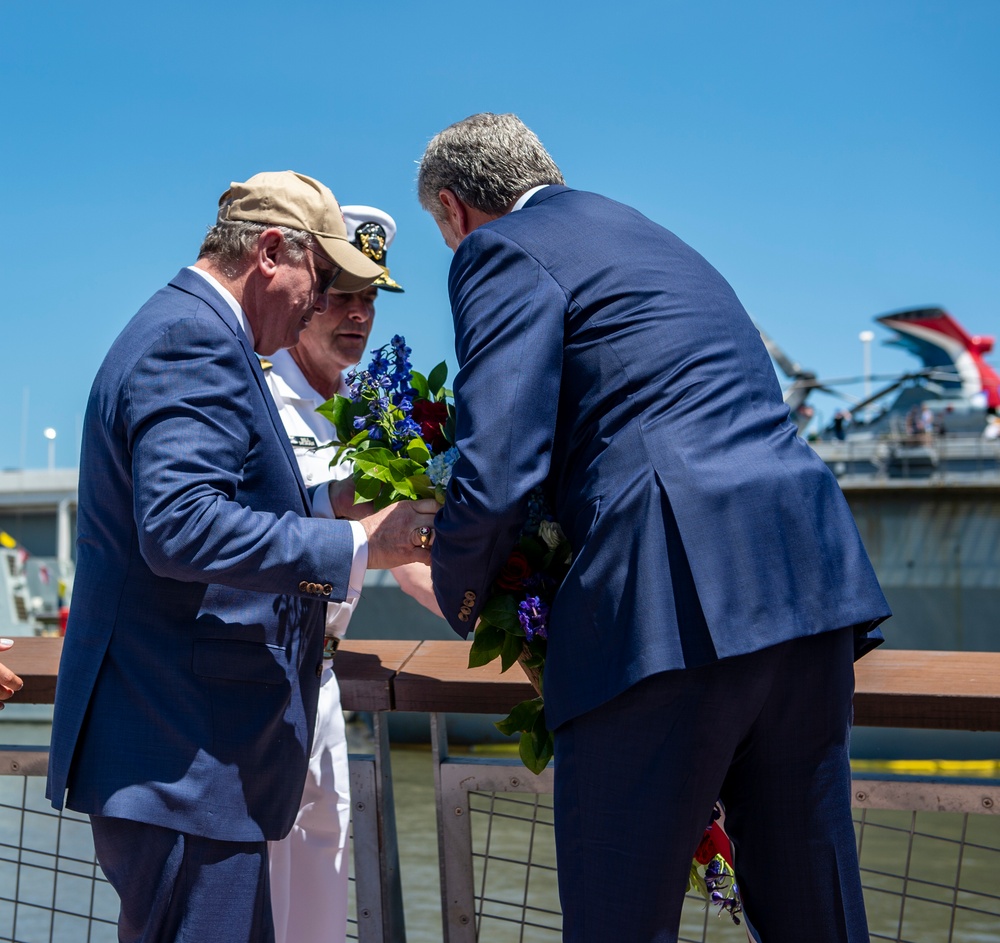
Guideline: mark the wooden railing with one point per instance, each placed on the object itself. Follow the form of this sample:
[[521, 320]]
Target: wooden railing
[[894, 688]]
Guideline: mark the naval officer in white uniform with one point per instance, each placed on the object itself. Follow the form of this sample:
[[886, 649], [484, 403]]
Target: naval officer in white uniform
[[309, 867]]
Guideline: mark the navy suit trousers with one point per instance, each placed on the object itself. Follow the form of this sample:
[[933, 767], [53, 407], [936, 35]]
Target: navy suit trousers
[[179, 887], [636, 779]]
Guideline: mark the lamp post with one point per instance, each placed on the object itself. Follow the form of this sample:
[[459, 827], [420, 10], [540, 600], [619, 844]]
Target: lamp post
[[50, 434], [866, 338]]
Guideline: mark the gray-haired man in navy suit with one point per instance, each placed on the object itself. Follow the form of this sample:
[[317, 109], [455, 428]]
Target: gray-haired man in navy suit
[[703, 640]]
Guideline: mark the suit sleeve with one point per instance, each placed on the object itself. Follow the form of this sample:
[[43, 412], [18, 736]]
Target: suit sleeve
[[199, 445], [509, 318]]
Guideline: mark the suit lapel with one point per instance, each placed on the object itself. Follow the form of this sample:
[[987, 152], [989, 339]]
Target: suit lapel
[[194, 284]]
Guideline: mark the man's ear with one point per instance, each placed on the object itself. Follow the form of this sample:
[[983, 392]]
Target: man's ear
[[456, 213], [268, 248]]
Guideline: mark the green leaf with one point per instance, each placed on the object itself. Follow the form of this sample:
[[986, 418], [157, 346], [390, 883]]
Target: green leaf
[[422, 486], [341, 411], [404, 490], [537, 746], [376, 454], [501, 611], [331, 406], [417, 450], [383, 499], [511, 650], [535, 755], [522, 718], [365, 488], [375, 463], [535, 551], [419, 382], [697, 882], [403, 468], [486, 645], [359, 440], [436, 379]]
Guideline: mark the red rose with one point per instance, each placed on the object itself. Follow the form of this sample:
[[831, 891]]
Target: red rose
[[714, 842], [431, 416], [706, 850], [514, 571]]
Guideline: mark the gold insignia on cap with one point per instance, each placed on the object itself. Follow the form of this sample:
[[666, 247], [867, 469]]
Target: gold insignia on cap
[[371, 239]]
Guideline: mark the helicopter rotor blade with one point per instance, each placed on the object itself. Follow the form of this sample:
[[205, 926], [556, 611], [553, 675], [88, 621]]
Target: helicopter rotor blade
[[888, 389]]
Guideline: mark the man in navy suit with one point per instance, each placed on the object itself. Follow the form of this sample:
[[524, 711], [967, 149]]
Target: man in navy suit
[[702, 643], [187, 691]]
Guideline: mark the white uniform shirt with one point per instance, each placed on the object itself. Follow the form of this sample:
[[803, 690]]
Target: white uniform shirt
[[309, 432]]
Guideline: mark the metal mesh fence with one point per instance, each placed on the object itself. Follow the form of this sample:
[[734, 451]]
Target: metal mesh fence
[[928, 864], [514, 864], [929, 876], [51, 888]]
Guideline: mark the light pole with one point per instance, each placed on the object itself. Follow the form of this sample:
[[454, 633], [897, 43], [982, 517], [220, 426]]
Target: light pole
[[866, 338], [50, 434]]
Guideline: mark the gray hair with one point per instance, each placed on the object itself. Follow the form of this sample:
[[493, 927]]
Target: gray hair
[[230, 243], [487, 161]]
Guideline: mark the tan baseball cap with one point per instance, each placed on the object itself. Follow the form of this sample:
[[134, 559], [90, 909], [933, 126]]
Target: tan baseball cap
[[285, 198]]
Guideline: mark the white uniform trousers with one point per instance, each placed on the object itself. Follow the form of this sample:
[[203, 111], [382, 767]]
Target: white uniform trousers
[[309, 866]]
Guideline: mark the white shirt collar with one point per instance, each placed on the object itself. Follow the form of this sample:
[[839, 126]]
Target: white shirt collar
[[289, 373], [229, 299], [524, 197]]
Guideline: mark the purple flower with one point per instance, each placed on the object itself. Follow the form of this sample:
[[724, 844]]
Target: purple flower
[[722, 889], [533, 614]]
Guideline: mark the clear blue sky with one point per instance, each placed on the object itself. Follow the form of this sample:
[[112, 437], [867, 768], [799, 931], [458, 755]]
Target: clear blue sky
[[833, 160]]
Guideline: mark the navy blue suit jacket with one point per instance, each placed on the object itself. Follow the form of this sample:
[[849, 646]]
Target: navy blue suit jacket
[[188, 684], [602, 357]]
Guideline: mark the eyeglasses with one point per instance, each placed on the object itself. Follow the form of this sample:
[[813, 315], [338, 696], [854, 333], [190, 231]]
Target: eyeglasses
[[325, 277]]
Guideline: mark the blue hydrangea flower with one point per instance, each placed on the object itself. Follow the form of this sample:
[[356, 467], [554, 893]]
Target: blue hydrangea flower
[[439, 468]]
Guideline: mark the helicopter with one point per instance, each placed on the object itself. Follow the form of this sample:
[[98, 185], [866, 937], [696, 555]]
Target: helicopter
[[954, 391]]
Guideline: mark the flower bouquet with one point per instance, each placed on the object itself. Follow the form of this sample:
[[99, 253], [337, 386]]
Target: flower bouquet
[[513, 623], [397, 428], [712, 873]]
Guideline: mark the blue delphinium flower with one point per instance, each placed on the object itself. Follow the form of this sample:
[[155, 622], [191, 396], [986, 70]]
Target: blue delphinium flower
[[386, 388], [533, 614]]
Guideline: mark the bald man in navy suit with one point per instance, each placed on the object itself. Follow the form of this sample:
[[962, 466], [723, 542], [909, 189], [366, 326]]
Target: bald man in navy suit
[[702, 643]]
